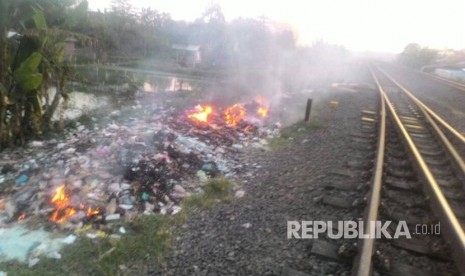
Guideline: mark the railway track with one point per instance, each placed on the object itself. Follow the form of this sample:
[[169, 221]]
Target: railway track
[[418, 178], [452, 134], [455, 84]]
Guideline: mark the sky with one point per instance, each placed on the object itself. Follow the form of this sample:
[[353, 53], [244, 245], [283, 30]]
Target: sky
[[359, 25]]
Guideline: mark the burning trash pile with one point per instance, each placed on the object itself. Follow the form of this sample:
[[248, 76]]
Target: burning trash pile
[[143, 166], [250, 113]]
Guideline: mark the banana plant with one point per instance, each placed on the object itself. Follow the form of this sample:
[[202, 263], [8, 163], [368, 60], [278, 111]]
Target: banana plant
[[25, 107], [32, 61]]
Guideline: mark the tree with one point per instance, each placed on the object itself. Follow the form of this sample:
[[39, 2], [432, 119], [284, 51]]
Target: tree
[[415, 56], [76, 16], [253, 43], [151, 22], [213, 14], [122, 7]]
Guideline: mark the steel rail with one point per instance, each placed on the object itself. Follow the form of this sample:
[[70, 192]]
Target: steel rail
[[363, 261], [428, 113], [431, 112], [453, 230], [457, 85]]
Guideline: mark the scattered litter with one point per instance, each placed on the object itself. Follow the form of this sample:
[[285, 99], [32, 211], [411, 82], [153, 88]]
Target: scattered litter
[[19, 243], [22, 179], [61, 145], [247, 225], [239, 193], [112, 217], [115, 237], [33, 261], [69, 239], [175, 210], [54, 255], [96, 234], [202, 176], [238, 146], [37, 144], [124, 169]]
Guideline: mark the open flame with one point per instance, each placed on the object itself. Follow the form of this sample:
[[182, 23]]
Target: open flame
[[263, 111], [61, 201], [234, 114], [63, 209], [201, 113], [92, 212], [22, 217]]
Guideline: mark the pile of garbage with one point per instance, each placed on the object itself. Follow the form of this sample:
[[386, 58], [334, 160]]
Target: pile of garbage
[[139, 166]]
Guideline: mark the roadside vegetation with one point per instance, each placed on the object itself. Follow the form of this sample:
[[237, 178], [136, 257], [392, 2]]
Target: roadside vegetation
[[416, 56], [421, 57], [215, 191], [295, 133]]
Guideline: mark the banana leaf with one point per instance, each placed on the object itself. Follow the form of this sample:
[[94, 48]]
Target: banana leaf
[[26, 76]]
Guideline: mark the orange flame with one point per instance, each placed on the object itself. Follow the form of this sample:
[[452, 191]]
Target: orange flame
[[92, 212], [201, 113], [234, 114], [22, 217], [259, 100], [63, 210], [60, 215], [60, 195], [263, 111]]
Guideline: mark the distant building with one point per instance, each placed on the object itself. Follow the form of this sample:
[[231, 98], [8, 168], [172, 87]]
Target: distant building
[[70, 48], [453, 73], [74, 52], [187, 55]]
